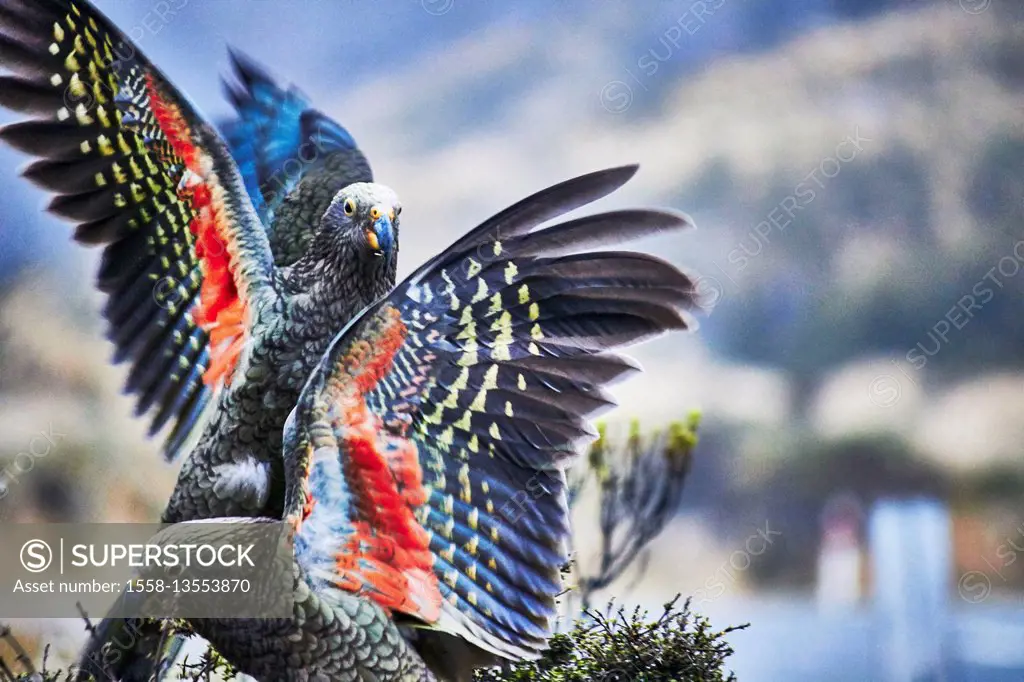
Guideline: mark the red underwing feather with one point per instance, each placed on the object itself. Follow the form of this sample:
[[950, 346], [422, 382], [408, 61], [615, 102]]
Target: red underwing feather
[[221, 312], [387, 556]]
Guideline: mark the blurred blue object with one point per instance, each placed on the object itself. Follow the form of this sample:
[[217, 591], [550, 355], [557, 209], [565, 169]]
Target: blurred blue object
[[911, 545], [910, 631]]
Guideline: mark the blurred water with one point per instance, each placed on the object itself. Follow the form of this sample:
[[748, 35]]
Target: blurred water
[[789, 639], [917, 624], [910, 543]]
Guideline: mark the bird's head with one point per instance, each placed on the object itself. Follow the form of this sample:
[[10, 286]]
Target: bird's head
[[366, 216]]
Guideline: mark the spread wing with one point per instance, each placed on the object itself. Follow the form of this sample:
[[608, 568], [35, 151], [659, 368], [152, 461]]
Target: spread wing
[[427, 451], [282, 144], [140, 172]]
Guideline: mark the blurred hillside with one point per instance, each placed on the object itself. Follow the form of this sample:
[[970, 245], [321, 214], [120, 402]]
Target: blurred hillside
[[857, 177]]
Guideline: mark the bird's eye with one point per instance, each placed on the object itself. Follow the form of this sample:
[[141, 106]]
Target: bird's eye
[[374, 213], [349, 207], [398, 211]]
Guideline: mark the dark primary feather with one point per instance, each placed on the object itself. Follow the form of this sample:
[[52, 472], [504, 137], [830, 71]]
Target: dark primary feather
[[26, 95], [507, 340]]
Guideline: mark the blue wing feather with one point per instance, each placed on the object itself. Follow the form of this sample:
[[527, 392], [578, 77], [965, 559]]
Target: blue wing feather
[[277, 136]]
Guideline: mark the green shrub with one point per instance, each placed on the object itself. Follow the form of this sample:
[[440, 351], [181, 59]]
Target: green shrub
[[623, 646]]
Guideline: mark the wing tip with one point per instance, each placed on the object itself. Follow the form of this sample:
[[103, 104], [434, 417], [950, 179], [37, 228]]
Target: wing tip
[[612, 178], [627, 170], [9, 132], [685, 220], [247, 69]]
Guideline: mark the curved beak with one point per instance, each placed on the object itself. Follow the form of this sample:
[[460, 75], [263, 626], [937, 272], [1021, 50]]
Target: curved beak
[[381, 236]]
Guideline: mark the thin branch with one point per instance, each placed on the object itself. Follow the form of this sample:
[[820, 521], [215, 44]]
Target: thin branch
[[640, 485]]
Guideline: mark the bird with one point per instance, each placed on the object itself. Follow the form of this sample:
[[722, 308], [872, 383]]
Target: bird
[[425, 457], [396, 442]]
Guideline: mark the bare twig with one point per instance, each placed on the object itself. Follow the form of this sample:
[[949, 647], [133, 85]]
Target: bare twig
[[640, 485], [89, 627]]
